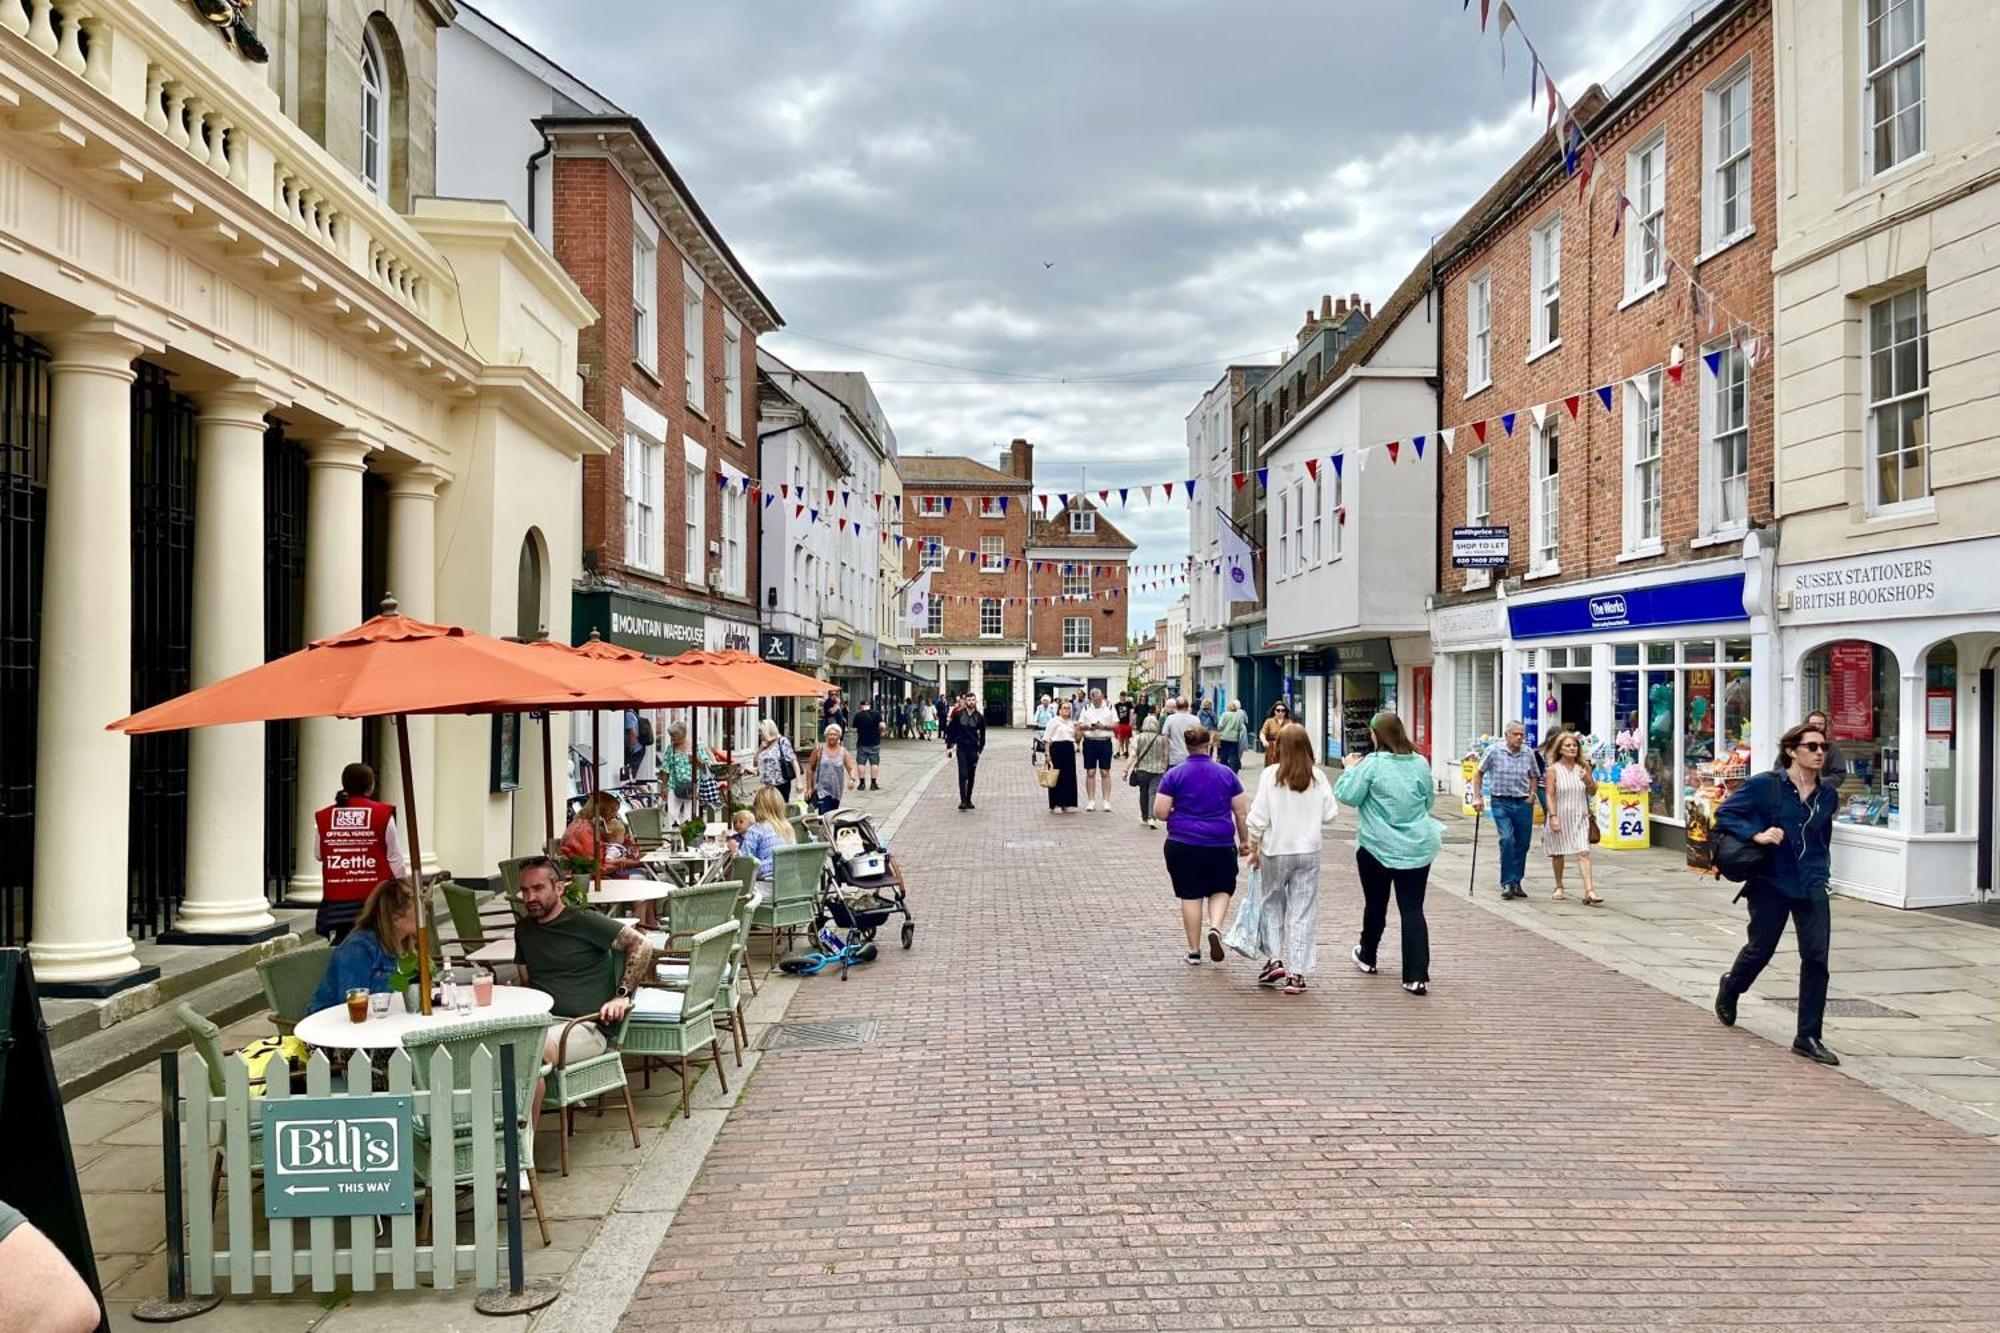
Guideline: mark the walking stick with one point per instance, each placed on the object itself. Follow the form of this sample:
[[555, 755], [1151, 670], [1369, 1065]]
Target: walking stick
[[1478, 818]]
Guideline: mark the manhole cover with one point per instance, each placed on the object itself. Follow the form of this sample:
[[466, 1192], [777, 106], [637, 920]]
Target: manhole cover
[[832, 1034], [1845, 1008], [1023, 844]]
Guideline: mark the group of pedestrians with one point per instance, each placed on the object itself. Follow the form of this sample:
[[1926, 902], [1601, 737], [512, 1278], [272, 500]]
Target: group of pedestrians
[[1510, 779], [1069, 733]]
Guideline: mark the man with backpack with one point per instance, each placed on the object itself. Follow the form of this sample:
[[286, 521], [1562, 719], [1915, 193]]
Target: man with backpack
[[1775, 835]]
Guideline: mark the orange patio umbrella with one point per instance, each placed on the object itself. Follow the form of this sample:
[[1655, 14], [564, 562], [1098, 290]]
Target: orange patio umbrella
[[749, 673], [388, 665]]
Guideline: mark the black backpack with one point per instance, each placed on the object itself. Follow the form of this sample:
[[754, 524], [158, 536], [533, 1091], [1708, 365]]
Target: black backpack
[[1737, 859], [645, 732]]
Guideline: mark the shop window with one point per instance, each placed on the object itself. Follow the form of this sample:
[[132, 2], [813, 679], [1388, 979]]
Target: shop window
[[1685, 718], [1475, 698], [1940, 740], [1857, 685]]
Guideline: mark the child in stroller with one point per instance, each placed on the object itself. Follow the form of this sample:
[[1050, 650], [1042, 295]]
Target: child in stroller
[[862, 886]]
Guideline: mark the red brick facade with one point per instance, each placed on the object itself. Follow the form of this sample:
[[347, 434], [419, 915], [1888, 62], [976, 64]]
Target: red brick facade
[[1606, 338], [961, 583], [1102, 558], [594, 242]]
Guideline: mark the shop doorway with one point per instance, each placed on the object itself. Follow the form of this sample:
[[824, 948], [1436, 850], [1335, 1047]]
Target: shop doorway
[[1572, 695], [998, 694]]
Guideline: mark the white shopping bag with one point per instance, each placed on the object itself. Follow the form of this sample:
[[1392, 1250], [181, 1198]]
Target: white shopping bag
[[1245, 935]]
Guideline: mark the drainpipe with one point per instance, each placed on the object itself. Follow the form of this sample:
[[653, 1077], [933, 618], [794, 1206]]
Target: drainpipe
[[534, 165]]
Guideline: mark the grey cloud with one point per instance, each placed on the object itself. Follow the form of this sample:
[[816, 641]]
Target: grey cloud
[[896, 173]]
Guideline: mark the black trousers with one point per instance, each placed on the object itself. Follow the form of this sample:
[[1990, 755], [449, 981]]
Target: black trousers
[[1377, 881], [1812, 924], [968, 769]]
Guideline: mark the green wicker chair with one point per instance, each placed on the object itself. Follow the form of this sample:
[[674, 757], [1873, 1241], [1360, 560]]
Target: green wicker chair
[[729, 992], [795, 879], [569, 1082], [462, 1039], [207, 1039], [463, 905], [646, 826], [679, 1022], [290, 978], [691, 911]]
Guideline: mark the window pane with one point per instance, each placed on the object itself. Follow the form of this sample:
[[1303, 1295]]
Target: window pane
[[1660, 653], [1625, 654]]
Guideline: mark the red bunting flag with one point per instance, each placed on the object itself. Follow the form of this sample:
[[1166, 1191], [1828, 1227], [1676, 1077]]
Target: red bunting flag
[[1479, 429], [1572, 402], [1395, 447], [1674, 372], [1312, 468], [1170, 490], [1239, 478]]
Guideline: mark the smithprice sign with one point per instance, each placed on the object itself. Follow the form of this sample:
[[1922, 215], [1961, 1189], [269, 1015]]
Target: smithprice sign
[[1479, 548], [338, 1156]]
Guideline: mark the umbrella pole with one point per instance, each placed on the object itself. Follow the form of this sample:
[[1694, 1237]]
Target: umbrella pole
[[426, 914], [548, 778], [596, 763]]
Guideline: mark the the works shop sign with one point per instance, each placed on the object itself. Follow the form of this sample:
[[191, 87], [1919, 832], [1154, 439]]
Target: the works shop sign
[[338, 1156]]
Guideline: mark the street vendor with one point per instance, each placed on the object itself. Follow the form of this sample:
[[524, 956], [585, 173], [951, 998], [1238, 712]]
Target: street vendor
[[358, 848]]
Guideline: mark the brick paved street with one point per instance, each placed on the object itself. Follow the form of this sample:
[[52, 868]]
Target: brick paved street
[[1061, 1126]]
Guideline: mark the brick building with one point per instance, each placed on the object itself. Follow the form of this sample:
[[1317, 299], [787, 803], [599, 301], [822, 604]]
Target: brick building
[[1615, 419], [967, 523], [1079, 570], [670, 530]]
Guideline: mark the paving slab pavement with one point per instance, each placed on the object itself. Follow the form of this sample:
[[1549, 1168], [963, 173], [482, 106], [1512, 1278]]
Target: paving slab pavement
[[1057, 1124]]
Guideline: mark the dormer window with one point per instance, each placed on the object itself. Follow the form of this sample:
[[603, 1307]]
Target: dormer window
[[374, 116], [1083, 520]]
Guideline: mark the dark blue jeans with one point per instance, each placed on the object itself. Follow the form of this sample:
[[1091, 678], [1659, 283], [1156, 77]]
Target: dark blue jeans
[[1514, 820]]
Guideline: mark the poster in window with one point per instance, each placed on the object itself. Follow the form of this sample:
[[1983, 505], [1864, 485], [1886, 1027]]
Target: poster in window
[[1851, 691], [506, 775]]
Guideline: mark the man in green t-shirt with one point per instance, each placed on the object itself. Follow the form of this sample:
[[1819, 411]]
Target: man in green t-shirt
[[569, 955]]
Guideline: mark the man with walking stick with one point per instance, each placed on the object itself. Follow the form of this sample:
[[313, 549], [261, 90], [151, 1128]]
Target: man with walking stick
[[1508, 775]]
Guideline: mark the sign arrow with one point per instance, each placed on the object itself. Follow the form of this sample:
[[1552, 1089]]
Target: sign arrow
[[307, 1189]]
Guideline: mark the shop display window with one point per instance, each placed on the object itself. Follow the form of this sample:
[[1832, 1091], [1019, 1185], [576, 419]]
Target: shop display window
[[1685, 717], [1940, 740], [1857, 685]]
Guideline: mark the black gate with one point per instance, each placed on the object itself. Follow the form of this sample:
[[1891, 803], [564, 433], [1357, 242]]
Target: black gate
[[163, 436], [284, 632], [24, 457]]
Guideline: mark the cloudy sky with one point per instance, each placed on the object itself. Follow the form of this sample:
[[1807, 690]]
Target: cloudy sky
[[1066, 218]]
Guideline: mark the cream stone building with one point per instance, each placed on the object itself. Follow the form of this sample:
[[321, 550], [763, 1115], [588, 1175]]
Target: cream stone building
[[1888, 455], [252, 378]]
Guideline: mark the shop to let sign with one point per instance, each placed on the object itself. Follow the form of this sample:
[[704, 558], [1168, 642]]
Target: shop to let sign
[[1479, 548], [338, 1156], [1851, 691]]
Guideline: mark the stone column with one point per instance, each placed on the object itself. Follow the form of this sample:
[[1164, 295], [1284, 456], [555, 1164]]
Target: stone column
[[334, 466], [225, 846], [413, 579], [78, 939]]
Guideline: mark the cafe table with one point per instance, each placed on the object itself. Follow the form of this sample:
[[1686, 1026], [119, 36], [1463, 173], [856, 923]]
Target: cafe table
[[624, 892], [694, 866], [331, 1029]]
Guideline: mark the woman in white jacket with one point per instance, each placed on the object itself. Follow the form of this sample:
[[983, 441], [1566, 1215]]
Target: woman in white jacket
[[1294, 802]]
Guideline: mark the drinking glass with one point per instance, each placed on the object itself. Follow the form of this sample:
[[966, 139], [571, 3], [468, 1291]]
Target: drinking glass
[[378, 1003], [357, 1005]]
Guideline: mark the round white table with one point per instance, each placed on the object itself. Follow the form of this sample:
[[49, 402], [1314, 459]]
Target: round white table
[[331, 1029], [618, 891], [691, 869]]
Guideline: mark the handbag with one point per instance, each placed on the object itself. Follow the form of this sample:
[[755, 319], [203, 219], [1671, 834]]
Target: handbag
[[1046, 775], [788, 761], [1245, 935], [1595, 834], [1135, 778]]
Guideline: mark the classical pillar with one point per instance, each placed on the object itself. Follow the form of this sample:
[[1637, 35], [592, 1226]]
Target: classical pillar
[[225, 903], [334, 466], [78, 939], [412, 570]]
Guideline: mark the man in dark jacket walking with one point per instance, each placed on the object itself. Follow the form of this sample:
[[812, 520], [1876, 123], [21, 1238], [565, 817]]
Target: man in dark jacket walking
[[965, 737], [1789, 811]]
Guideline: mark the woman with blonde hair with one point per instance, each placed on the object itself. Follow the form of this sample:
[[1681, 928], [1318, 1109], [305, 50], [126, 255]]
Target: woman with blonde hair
[[1395, 841], [774, 753], [769, 830], [1566, 788], [1294, 802]]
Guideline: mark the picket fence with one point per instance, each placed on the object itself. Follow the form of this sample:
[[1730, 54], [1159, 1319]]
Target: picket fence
[[220, 1127]]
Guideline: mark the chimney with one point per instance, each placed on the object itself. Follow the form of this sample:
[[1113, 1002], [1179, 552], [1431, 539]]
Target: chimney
[[1019, 460], [1367, 310], [1354, 300], [1340, 308], [1326, 307]]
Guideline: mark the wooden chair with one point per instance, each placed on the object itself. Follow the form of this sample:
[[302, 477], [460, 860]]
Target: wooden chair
[[462, 1040], [676, 1023], [290, 978], [795, 878]]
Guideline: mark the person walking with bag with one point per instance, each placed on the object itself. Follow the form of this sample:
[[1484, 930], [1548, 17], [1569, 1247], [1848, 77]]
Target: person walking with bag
[[1205, 809], [1230, 734], [1143, 770], [1395, 841], [777, 761], [1294, 802], [831, 768], [1571, 828], [1061, 760], [1789, 812]]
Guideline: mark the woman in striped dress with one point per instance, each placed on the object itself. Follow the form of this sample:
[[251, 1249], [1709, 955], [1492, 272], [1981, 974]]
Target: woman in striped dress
[[1567, 788]]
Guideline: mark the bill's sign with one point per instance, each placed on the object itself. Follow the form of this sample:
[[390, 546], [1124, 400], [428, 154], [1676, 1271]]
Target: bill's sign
[[337, 1156]]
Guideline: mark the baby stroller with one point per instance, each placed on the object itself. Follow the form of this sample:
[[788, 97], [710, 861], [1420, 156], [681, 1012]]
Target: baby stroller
[[862, 886]]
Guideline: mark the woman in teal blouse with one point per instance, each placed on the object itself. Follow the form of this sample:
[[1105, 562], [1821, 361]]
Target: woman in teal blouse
[[1395, 842]]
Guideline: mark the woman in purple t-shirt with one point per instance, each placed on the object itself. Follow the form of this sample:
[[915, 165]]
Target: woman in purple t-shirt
[[1205, 809]]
